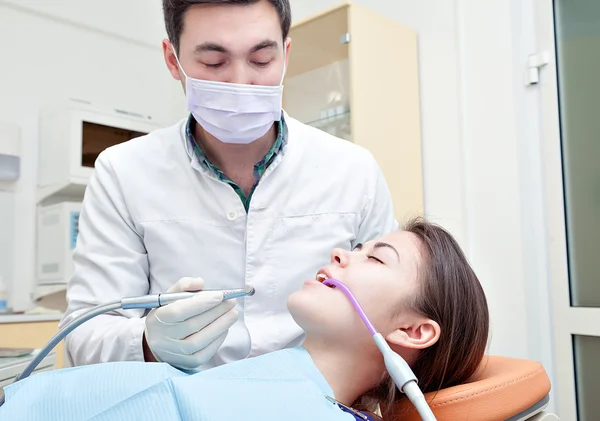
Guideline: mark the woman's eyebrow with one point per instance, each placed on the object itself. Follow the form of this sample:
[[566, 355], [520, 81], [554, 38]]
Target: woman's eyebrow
[[381, 244]]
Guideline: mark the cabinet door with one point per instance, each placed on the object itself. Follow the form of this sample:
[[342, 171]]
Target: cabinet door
[[354, 73], [317, 83], [31, 335], [384, 77]]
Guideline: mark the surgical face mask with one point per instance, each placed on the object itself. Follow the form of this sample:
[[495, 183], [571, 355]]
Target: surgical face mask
[[233, 113]]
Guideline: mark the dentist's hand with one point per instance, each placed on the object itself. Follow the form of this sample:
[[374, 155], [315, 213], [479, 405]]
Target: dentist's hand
[[187, 333]]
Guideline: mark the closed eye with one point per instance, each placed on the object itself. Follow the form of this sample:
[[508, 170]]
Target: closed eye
[[374, 258]]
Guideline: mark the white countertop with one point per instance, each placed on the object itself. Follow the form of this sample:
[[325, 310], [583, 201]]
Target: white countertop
[[12, 367], [29, 318]]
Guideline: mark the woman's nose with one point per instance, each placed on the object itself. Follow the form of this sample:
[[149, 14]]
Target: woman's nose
[[340, 257]]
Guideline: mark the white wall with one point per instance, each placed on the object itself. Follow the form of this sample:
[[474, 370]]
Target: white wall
[[51, 51], [481, 156]]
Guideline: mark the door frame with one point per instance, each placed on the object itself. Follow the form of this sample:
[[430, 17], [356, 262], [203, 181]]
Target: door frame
[[567, 321]]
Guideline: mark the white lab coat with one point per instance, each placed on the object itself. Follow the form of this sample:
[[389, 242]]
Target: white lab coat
[[153, 214]]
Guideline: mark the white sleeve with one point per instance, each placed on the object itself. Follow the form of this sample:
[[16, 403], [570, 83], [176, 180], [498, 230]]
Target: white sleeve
[[110, 262], [378, 213]]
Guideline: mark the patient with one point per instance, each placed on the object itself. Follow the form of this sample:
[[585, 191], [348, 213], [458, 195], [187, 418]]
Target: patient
[[416, 287]]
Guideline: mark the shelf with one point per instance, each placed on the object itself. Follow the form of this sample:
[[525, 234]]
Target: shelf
[[29, 318], [44, 290], [325, 121], [56, 193], [317, 42], [337, 125]]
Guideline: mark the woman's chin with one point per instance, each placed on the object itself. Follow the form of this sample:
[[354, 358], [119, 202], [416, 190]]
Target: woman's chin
[[310, 310]]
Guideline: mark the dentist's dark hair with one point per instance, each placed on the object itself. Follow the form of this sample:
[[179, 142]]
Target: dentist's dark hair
[[451, 295], [174, 12]]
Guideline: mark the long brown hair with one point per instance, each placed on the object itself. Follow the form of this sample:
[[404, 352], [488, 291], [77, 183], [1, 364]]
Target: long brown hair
[[452, 296]]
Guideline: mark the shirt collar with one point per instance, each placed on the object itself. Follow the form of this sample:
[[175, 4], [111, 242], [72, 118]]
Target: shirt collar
[[278, 146]]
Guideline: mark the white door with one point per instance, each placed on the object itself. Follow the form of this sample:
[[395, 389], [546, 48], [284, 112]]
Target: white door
[[569, 30]]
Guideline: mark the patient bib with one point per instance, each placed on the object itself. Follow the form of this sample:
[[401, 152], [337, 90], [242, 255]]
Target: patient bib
[[281, 385]]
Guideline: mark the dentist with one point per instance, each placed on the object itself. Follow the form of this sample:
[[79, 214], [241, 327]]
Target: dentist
[[239, 193]]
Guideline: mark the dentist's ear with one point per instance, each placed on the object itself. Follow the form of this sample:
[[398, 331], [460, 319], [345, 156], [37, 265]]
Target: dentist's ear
[[286, 47], [421, 334], [171, 60]]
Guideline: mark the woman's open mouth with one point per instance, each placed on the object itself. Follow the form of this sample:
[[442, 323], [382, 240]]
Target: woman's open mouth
[[322, 276]]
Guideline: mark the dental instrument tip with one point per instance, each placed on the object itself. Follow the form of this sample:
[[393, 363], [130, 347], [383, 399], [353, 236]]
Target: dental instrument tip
[[249, 290]]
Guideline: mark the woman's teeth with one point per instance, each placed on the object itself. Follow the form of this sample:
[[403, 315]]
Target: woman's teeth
[[321, 277]]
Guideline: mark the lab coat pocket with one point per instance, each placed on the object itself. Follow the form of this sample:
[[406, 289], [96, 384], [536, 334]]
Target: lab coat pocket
[[193, 248], [299, 245]]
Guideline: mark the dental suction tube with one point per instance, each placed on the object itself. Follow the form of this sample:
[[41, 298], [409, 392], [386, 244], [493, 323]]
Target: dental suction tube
[[399, 370], [128, 303]]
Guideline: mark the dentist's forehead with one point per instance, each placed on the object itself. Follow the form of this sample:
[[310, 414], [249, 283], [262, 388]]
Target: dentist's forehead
[[235, 27]]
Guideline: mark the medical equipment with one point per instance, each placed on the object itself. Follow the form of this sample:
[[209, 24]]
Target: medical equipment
[[144, 302], [57, 230], [399, 370], [10, 160], [72, 135]]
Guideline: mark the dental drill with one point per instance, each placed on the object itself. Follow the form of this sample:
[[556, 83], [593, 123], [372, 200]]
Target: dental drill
[[399, 370], [145, 302]]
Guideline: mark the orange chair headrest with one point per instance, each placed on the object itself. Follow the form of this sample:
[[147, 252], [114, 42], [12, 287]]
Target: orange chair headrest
[[502, 388]]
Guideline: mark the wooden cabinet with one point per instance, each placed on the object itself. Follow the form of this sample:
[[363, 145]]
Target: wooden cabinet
[[354, 73], [31, 334]]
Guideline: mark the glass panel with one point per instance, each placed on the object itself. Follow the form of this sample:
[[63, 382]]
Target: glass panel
[[317, 82], [97, 137], [321, 98], [586, 350], [578, 65]]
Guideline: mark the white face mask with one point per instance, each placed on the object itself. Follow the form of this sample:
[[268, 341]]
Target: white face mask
[[233, 113]]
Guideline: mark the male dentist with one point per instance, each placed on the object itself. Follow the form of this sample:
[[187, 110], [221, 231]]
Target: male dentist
[[239, 193]]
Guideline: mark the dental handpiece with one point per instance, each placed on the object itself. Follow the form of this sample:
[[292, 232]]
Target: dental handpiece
[[144, 301], [159, 300]]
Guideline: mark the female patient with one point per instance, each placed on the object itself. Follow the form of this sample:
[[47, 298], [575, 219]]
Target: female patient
[[416, 287]]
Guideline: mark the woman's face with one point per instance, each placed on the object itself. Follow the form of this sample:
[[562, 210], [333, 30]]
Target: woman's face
[[382, 275]]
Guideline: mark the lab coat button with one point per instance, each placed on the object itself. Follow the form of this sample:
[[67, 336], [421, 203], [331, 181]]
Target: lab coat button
[[232, 216]]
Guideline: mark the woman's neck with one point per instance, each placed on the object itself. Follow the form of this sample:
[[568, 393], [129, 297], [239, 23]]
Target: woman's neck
[[349, 371]]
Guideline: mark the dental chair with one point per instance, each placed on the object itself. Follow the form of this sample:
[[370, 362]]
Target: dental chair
[[503, 389]]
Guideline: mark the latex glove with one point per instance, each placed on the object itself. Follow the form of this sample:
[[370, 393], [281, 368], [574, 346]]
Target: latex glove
[[187, 333]]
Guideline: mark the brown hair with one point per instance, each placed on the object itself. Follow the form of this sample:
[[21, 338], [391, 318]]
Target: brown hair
[[452, 296], [174, 13]]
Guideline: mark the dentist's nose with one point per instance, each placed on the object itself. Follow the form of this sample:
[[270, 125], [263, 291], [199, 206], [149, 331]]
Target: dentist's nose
[[239, 74], [340, 257]]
